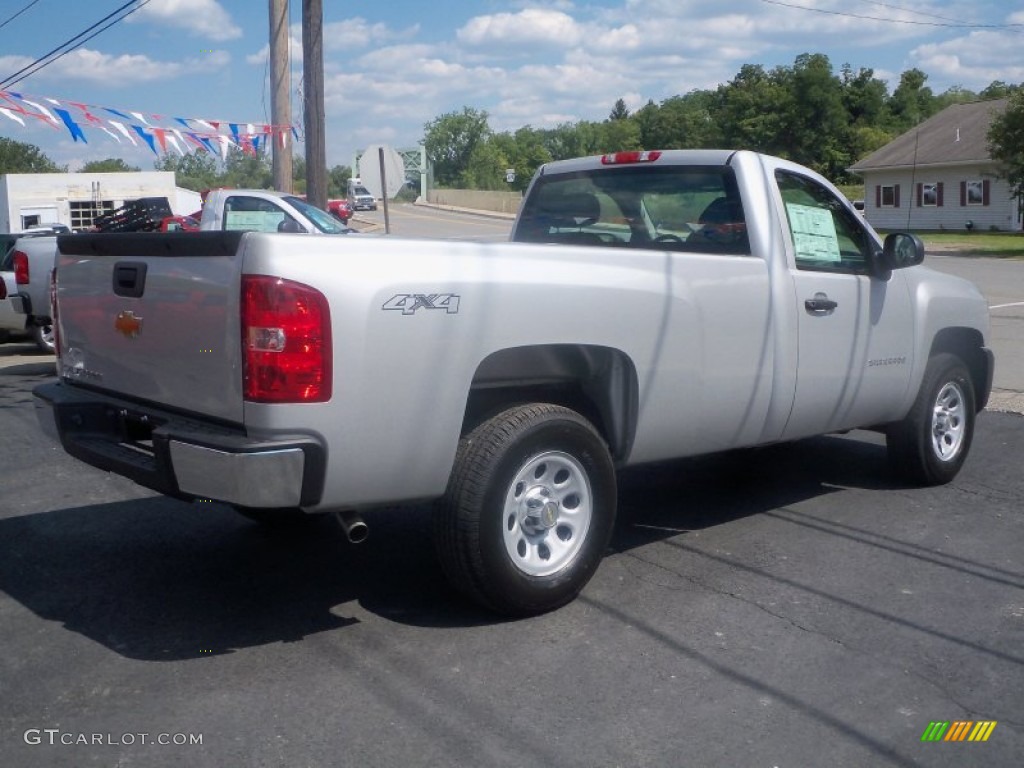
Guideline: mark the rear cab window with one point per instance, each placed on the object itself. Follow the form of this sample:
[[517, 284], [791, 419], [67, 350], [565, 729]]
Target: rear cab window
[[677, 208]]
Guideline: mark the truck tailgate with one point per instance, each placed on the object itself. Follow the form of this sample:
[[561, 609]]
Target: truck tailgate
[[154, 317]]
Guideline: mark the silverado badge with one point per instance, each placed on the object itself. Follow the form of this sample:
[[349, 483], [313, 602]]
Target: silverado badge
[[128, 324]]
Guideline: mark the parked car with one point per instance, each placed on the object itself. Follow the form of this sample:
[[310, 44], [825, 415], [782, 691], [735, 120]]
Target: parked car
[[12, 323], [340, 209], [30, 260]]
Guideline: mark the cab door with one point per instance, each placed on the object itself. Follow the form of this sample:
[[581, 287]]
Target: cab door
[[854, 330]]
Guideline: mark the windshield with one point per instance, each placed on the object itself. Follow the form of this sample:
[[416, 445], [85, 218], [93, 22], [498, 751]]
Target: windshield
[[322, 220]]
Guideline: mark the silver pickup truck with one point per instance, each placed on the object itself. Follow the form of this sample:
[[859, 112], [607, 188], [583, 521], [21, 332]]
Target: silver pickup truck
[[655, 305]]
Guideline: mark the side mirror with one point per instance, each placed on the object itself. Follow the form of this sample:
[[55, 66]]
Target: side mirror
[[901, 250], [289, 225]]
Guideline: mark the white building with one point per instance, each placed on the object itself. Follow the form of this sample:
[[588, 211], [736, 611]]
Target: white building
[[941, 175], [75, 199]]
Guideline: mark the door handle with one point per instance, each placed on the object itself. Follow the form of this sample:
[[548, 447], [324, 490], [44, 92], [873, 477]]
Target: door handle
[[820, 304]]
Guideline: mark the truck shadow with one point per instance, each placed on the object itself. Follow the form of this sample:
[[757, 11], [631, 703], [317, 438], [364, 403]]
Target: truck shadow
[[157, 579]]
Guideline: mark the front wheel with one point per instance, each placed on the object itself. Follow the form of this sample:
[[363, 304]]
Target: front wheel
[[529, 509], [930, 445]]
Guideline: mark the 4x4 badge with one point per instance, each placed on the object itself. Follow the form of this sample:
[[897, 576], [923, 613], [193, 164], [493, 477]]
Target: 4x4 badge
[[128, 324]]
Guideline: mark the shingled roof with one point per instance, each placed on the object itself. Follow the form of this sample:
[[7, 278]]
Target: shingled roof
[[957, 135]]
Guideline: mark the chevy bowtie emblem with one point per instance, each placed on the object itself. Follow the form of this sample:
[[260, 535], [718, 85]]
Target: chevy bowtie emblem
[[128, 324]]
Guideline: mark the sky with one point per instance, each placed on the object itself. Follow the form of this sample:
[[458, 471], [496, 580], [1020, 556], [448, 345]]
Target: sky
[[390, 67]]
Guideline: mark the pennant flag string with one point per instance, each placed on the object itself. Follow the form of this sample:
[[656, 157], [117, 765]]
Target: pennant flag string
[[208, 135]]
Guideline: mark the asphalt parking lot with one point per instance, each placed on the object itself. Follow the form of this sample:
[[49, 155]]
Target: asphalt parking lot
[[792, 606]]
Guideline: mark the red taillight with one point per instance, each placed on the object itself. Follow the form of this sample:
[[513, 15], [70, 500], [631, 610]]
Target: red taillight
[[625, 158], [3, 290], [20, 261], [286, 341]]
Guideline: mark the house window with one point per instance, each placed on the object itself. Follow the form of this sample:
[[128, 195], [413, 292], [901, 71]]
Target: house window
[[976, 193], [887, 196], [929, 195]]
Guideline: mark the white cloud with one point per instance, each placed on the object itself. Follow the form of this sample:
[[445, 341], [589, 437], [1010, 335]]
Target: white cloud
[[124, 71], [974, 60], [352, 36], [203, 18], [533, 26]]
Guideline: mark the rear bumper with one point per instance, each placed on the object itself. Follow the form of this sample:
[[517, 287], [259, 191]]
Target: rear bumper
[[181, 456]]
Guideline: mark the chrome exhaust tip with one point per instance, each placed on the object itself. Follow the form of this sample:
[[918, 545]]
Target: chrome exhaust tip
[[355, 528]]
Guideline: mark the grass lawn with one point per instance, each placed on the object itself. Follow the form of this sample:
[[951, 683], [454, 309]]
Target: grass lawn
[[998, 244]]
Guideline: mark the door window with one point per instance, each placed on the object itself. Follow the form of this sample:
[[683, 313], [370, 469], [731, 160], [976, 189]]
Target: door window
[[252, 214], [826, 236]]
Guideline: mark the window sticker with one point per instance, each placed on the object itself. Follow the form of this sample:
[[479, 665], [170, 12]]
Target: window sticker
[[814, 233], [259, 221]]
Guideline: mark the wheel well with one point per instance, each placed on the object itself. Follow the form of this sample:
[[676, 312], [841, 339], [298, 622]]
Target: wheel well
[[967, 344], [599, 383]]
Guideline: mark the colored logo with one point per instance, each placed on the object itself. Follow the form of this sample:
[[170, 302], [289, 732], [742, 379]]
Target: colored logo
[[958, 730], [128, 324]]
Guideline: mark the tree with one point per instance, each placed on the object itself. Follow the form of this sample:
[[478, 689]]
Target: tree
[[18, 157], [816, 118], [680, 122], [1006, 143], [245, 170], [912, 102], [110, 165], [619, 111], [196, 171], [997, 89], [337, 180], [750, 110], [450, 140]]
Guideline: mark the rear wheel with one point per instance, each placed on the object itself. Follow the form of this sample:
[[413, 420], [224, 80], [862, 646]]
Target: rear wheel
[[930, 445], [529, 509], [42, 335]]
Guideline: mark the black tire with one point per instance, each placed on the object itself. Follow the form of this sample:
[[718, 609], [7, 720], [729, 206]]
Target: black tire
[[540, 459], [42, 335], [930, 445]]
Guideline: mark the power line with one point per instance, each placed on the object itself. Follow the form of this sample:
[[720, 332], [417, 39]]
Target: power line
[[908, 10], [12, 18], [957, 25], [71, 44]]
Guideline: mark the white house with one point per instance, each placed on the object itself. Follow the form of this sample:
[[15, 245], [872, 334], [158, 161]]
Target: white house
[[75, 199], [940, 175]]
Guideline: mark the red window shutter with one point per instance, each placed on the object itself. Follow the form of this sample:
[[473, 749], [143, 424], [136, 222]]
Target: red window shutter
[[920, 193], [963, 193], [878, 195], [985, 190], [938, 194], [896, 196]]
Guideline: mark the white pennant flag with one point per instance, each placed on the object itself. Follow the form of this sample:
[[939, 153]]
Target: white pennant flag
[[124, 131], [14, 117], [44, 110]]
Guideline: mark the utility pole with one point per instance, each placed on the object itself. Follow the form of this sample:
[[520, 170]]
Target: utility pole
[[280, 94], [313, 95]]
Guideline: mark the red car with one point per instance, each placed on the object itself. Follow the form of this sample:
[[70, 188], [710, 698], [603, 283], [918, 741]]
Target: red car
[[340, 209]]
